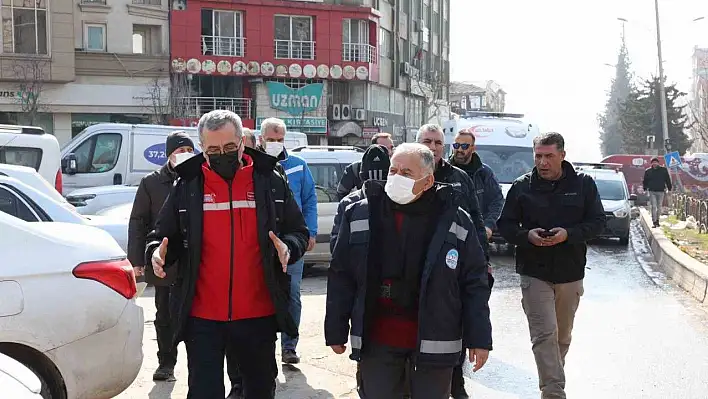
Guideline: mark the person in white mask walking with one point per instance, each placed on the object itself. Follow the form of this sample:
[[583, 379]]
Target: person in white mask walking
[[272, 142], [408, 283]]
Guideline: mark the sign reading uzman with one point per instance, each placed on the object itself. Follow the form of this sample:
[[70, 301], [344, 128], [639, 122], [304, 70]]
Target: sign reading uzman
[[294, 101]]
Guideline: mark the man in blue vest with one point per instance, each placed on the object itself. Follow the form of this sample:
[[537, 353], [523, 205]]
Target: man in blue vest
[[272, 141]]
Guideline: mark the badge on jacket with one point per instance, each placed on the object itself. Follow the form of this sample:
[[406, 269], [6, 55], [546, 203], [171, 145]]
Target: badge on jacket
[[451, 258]]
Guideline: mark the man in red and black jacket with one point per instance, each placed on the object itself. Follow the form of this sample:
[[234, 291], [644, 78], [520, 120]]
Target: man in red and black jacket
[[230, 227]]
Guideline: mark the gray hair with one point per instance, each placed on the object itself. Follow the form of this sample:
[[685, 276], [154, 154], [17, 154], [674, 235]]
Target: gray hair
[[248, 134], [274, 124], [217, 119], [427, 159], [430, 127]]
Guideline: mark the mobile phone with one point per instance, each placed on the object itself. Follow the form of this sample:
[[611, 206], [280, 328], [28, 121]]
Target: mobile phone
[[546, 234]]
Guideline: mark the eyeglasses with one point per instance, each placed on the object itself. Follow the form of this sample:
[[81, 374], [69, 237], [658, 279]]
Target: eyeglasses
[[228, 148], [464, 146]]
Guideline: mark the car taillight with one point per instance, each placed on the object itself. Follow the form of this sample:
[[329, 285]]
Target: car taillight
[[59, 181], [115, 274]]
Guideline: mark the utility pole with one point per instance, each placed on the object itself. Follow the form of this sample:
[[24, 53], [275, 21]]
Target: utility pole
[[662, 90]]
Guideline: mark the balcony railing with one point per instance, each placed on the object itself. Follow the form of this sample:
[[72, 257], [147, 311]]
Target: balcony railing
[[358, 52], [148, 2], [294, 49], [198, 106], [223, 46], [93, 2]]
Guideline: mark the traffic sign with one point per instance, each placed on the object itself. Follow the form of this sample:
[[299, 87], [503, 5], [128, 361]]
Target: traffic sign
[[672, 159]]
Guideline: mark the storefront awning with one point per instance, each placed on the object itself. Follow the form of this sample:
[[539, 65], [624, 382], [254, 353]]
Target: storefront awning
[[344, 128]]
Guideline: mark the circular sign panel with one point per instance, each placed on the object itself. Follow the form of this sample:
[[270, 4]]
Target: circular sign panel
[[178, 65], [309, 71], [281, 70], [224, 67], [240, 67], [362, 73], [254, 68], [295, 70], [323, 71], [336, 71], [194, 66], [267, 69], [349, 72], [208, 66]]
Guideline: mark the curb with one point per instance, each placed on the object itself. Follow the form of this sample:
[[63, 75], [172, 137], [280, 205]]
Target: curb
[[688, 273]]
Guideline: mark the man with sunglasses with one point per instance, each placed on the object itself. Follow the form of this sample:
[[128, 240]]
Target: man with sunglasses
[[488, 191], [229, 228]]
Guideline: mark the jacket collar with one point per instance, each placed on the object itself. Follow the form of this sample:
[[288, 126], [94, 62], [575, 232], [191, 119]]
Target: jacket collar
[[474, 164], [167, 174], [191, 168], [539, 183]]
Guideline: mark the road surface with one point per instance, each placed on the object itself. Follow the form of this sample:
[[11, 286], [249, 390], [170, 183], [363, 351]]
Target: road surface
[[636, 336]]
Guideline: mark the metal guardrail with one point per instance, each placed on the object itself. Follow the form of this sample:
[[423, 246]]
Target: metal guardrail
[[294, 49], [223, 46], [358, 52], [685, 205], [198, 106], [148, 2]]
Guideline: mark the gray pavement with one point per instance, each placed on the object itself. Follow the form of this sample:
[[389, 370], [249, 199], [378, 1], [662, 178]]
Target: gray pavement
[[636, 336]]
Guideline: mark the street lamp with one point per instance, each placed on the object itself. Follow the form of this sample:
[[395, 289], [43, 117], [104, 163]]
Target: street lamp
[[662, 89]]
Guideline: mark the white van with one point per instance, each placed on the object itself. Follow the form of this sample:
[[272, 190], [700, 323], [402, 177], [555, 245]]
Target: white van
[[30, 146], [504, 142], [116, 153], [327, 165]]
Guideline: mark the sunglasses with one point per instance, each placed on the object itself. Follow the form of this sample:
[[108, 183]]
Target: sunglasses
[[464, 146]]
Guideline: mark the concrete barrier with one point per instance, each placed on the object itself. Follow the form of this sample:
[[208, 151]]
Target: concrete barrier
[[689, 274]]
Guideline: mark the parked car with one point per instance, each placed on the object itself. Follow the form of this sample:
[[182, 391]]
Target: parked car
[[31, 146], [615, 196], [327, 165], [32, 178], [68, 307], [17, 381], [29, 204], [91, 200]]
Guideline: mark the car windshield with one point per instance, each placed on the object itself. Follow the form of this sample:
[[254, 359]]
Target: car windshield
[[611, 190], [508, 163]]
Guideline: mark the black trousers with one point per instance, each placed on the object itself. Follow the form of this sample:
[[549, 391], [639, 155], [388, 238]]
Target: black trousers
[[166, 351], [251, 342]]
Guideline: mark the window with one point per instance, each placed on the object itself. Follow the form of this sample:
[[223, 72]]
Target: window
[[12, 205], [24, 26], [385, 44], [147, 39], [222, 33], [355, 37], [139, 41], [326, 178], [23, 156], [99, 153], [95, 37], [293, 37]]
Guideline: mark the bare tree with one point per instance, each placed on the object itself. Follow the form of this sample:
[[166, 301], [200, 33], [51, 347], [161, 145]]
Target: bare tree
[[434, 87], [179, 97], [165, 102], [698, 111], [31, 75]]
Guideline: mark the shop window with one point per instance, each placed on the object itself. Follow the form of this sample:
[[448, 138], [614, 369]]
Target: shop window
[[294, 37], [95, 37], [99, 153], [23, 156], [24, 26]]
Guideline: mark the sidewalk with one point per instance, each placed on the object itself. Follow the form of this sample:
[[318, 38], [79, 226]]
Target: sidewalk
[[687, 272]]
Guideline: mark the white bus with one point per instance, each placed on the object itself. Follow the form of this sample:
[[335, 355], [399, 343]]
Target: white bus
[[504, 142]]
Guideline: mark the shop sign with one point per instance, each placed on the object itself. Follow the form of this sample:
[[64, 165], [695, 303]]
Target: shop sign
[[307, 124], [380, 122], [369, 132], [294, 101]]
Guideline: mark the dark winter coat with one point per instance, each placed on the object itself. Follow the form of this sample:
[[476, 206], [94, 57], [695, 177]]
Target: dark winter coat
[[657, 179], [487, 188]]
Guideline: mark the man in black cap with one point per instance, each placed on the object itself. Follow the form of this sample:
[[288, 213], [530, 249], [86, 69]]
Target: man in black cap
[[350, 179], [151, 194]]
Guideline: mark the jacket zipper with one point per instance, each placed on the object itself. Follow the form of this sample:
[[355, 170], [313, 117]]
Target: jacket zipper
[[231, 244]]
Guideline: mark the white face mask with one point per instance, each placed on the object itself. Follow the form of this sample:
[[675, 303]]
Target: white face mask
[[274, 148], [400, 189], [181, 157]]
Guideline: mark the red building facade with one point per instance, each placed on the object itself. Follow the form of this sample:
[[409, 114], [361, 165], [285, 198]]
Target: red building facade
[[229, 49]]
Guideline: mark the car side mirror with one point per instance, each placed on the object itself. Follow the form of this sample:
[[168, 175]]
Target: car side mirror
[[633, 197], [69, 165]]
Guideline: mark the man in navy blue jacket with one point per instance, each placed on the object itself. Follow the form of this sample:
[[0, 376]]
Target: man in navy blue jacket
[[272, 141]]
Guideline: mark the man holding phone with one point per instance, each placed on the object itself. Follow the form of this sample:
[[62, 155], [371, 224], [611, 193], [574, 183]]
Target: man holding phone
[[550, 214]]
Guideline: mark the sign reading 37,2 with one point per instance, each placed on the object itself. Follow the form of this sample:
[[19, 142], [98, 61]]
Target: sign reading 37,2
[[294, 101]]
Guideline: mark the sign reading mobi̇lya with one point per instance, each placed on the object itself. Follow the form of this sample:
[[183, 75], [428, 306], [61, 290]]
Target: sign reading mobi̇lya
[[294, 101]]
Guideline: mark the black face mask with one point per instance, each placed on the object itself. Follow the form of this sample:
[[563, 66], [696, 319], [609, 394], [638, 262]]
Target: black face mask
[[225, 165]]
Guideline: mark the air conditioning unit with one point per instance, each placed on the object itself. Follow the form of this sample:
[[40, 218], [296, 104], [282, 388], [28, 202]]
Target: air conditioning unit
[[335, 112], [346, 112], [179, 5], [406, 68], [359, 114]]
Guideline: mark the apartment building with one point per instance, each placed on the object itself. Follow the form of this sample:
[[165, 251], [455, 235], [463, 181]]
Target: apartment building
[[66, 64], [338, 70], [698, 106], [477, 96]]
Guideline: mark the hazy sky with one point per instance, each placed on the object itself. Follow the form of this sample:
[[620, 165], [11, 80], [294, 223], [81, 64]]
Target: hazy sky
[[550, 55]]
